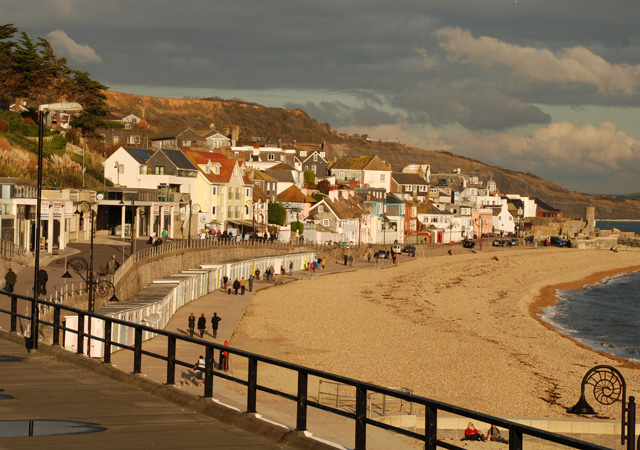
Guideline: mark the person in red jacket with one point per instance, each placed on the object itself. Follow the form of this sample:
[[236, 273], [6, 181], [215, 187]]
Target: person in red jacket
[[471, 434]]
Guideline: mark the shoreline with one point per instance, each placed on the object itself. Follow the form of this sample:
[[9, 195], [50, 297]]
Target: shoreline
[[443, 326], [548, 297]]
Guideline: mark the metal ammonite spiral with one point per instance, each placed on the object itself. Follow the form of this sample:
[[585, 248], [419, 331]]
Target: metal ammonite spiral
[[79, 265], [607, 385], [103, 287]]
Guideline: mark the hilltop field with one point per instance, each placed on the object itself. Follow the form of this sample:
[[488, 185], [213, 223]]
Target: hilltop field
[[461, 329]]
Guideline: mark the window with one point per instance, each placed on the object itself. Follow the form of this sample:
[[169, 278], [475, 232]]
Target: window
[[214, 210], [230, 193], [325, 222], [214, 190], [321, 208], [143, 170], [186, 143], [237, 193], [271, 157], [246, 210], [229, 212], [422, 188], [247, 192], [159, 170], [133, 140], [313, 167], [382, 177], [408, 188], [207, 169], [237, 216], [121, 169], [315, 157]]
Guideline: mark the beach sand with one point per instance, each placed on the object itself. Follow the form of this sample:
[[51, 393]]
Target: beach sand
[[461, 329]]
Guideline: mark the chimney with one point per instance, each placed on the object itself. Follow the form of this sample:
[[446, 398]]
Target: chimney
[[225, 131], [235, 134], [333, 195]]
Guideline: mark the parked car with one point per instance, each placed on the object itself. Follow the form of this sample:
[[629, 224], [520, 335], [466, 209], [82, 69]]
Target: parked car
[[497, 243], [410, 249], [383, 254], [558, 241], [467, 243], [513, 242]]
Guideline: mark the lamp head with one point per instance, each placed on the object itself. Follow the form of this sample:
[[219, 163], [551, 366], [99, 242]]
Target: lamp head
[[582, 407], [66, 275]]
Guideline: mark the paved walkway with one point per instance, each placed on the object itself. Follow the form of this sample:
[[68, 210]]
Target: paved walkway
[[41, 388]]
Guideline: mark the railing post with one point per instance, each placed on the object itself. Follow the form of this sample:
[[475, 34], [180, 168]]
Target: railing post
[[301, 413], [107, 342], [171, 360], [14, 314], [430, 428], [361, 418], [208, 373], [252, 384], [80, 345], [137, 351], [56, 326], [515, 440], [631, 423]]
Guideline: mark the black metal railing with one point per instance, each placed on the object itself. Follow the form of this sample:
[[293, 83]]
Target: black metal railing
[[432, 408]]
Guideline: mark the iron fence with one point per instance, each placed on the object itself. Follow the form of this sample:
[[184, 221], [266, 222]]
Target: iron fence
[[432, 408]]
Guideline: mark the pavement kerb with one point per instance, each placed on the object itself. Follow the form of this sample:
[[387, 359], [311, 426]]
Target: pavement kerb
[[253, 423]]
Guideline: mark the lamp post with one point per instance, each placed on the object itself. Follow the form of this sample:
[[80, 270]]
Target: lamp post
[[609, 387], [253, 216], [42, 111], [83, 207], [133, 222]]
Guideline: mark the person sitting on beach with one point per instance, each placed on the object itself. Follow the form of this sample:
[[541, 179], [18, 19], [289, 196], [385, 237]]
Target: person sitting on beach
[[471, 434], [494, 435]]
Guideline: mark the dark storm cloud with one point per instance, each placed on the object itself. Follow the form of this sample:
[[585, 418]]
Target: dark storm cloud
[[478, 64]]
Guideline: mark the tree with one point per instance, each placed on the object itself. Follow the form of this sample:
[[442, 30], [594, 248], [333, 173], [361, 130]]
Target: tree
[[277, 213], [27, 66], [6, 69], [309, 176], [89, 94], [324, 187], [297, 227]]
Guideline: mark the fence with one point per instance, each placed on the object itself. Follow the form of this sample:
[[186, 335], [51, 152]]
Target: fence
[[363, 390], [344, 396], [10, 250]]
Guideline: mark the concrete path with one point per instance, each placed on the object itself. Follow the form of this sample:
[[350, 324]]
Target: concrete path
[[37, 387]]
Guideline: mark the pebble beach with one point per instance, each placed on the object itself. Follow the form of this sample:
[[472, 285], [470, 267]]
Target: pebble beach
[[461, 329]]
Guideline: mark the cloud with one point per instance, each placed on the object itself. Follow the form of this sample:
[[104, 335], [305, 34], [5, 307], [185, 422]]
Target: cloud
[[587, 157], [66, 46], [539, 66], [340, 114]]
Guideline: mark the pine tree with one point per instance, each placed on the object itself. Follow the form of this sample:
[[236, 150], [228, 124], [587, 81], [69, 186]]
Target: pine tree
[[88, 93]]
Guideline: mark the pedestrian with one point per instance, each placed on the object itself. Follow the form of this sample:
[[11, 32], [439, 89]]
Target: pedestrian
[[251, 283], [393, 256], [43, 277], [164, 234], [215, 320], [369, 257], [202, 324], [291, 268], [351, 260], [112, 265], [192, 324], [236, 286], [346, 258], [199, 368], [225, 282], [10, 280], [323, 261], [243, 285]]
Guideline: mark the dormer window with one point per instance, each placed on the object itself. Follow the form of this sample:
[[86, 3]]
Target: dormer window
[[216, 169]]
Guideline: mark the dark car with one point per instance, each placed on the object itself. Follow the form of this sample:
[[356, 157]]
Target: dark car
[[384, 254], [513, 242], [467, 243], [410, 249], [558, 241]]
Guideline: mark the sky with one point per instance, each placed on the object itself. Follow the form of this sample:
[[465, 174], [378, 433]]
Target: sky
[[550, 87]]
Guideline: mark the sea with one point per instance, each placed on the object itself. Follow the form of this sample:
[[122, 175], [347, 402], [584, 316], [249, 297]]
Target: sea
[[604, 316]]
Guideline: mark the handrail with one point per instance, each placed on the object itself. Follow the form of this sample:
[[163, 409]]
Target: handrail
[[517, 432]]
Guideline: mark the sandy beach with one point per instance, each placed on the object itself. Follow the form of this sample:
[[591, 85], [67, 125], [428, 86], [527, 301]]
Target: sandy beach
[[461, 329]]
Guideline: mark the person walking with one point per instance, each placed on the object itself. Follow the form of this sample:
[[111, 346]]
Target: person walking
[[202, 324], [225, 281], [112, 265], [10, 279], [291, 268], [251, 283], [369, 257], [43, 277], [351, 260], [243, 285], [236, 286], [346, 258], [215, 320], [192, 324]]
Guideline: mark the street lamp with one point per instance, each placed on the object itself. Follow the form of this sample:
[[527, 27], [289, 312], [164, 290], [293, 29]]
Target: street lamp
[[609, 387], [133, 222], [42, 111], [253, 216], [85, 206]]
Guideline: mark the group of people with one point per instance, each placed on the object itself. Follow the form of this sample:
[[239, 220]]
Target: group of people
[[202, 324], [472, 434], [11, 278]]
